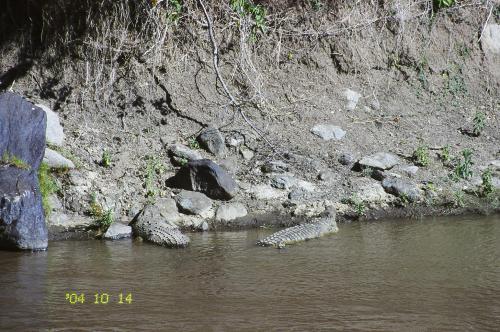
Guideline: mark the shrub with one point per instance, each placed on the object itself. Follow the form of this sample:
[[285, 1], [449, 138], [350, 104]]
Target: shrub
[[443, 3], [478, 123], [421, 156], [463, 170], [11, 160], [105, 159], [487, 184], [47, 187]]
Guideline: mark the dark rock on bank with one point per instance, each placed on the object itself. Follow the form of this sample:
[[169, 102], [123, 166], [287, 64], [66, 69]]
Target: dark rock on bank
[[211, 140], [22, 135], [207, 177], [402, 188]]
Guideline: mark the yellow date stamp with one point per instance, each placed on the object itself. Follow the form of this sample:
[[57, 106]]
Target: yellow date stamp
[[74, 298]]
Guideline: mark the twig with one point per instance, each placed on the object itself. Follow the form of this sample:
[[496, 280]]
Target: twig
[[486, 23], [233, 100]]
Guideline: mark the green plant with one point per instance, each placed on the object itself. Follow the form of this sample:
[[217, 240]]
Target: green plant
[[11, 160], [478, 123], [357, 204], [454, 81], [421, 156], [316, 4], [458, 199], [47, 187], [422, 78], [183, 161], [106, 220], [245, 8], [105, 159], [443, 3], [404, 198], [154, 167], [95, 208], [463, 169], [445, 154], [367, 172], [193, 143], [487, 184]]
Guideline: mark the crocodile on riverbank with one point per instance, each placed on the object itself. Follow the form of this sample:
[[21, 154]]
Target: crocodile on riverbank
[[157, 231], [303, 232]]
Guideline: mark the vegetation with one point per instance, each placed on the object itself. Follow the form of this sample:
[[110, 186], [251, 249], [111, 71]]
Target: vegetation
[[193, 143], [47, 187], [487, 183], [443, 3], [458, 198], [257, 13], [106, 159], [11, 160], [463, 169], [357, 204], [445, 154], [154, 168], [421, 156], [104, 218], [478, 123]]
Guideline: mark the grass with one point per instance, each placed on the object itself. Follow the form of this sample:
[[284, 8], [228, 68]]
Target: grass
[[458, 198], [421, 156], [154, 168], [11, 160], [193, 143], [47, 187], [443, 3], [357, 204], [487, 183], [106, 159], [445, 154], [478, 123], [104, 218], [463, 169]]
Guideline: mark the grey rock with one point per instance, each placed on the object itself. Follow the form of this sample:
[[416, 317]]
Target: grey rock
[[246, 153], [326, 176], [168, 139], [230, 211], [55, 160], [328, 132], [22, 134], [317, 228], [211, 139], [372, 193], [230, 165], [409, 170], [54, 132], [375, 105], [490, 39], [118, 231], [380, 160], [163, 209], [274, 166], [402, 188], [346, 159], [266, 192], [204, 226], [298, 194], [283, 182], [495, 164], [179, 151], [352, 99], [207, 177], [235, 139], [151, 226], [192, 202]]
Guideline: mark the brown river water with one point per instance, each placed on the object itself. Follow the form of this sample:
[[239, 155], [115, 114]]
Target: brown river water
[[439, 274]]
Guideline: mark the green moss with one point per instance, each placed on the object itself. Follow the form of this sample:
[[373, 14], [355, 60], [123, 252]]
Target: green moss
[[47, 186], [12, 160]]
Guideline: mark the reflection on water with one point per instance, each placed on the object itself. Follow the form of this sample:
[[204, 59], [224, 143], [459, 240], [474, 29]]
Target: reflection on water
[[435, 274]]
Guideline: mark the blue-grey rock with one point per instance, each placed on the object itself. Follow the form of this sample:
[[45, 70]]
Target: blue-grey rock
[[274, 166], [54, 134], [380, 160], [352, 98], [192, 202], [211, 139], [56, 160], [118, 231], [230, 211], [179, 151], [22, 134], [207, 177], [402, 188], [328, 132]]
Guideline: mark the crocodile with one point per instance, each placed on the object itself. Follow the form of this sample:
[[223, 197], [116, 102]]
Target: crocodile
[[317, 228]]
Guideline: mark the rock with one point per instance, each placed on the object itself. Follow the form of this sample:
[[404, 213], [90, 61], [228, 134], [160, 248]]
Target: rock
[[118, 231], [346, 159], [283, 182], [490, 39], [246, 153], [54, 133], [326, 176], [207, 177], [230, 211], [192, 202], [204, 226], [266, 192], [372, 193], [328, 132], [495, 164], [230, 165], [274, 166], [151, 226], [179, 152], [409, 170], [211, 139], [380, 160], [168, 139], [22, 135], [352, 98], [402, 188], [55, 160], [298, 194], [235, 139], [375, 104]]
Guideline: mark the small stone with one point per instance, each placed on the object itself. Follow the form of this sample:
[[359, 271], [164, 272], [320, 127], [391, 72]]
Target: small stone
[[230, 165], [410, 170], [283, 182], [346, 159], [192, 202], [211, 139], [166, 140], [328, 132], [246, 153], [266, 192], [54, 132], [274, 166], [183, 152], [326, 176], [235, 139], [231, 211], [490, 38], [402, 188], [55, 160], [375, 105], [118, 231], [352, 98], [380, 160]]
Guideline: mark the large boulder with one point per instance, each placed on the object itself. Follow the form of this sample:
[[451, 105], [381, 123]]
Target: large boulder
[[54, 134], [207, 177], [22, 146]]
